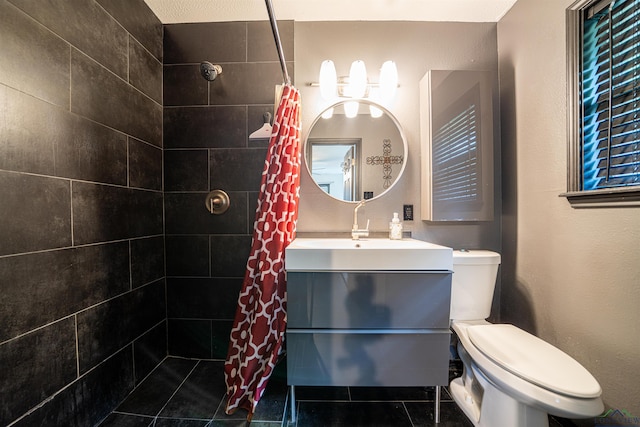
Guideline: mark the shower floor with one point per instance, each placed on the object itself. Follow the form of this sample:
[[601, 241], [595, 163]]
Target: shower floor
[[189, 393]]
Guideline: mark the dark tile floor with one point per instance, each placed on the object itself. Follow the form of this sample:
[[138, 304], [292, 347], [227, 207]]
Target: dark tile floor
[[189, 393]]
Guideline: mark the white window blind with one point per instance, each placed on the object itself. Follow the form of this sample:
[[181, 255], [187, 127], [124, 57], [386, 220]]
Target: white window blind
[[455, 152]]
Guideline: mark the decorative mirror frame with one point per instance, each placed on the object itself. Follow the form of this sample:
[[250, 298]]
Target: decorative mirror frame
[[368, 102]]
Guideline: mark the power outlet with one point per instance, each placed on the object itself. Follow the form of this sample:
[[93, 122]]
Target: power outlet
[[407, 212]]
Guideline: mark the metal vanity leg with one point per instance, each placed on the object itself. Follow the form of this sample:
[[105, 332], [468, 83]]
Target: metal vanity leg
[[437, 404], [293, 404]]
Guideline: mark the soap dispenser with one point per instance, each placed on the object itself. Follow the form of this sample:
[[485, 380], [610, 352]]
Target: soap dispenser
[[395, 228]]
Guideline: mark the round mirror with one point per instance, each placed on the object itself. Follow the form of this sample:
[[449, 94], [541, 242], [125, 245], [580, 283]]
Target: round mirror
[[355, 150]]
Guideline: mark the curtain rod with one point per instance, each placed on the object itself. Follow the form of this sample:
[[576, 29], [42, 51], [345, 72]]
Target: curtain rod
[[276, 37]]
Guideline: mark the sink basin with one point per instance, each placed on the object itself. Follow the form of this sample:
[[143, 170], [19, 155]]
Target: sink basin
[[318, 254]]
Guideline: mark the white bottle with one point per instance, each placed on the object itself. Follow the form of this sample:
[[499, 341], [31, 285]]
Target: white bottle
[[395, 228]]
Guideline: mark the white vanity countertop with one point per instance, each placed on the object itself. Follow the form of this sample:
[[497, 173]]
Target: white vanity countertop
[[345, 254]]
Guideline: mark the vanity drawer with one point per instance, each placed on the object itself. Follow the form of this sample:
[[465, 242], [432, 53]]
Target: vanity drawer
[[393, 300], [368, 358]]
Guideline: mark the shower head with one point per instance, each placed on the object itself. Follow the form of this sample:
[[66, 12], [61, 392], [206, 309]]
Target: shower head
[[210, 71]]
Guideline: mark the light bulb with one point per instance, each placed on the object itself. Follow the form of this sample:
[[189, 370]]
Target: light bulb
[[388, 80], [358, 79], [328, 80], [351, 109], [328, 113], [375, 112]]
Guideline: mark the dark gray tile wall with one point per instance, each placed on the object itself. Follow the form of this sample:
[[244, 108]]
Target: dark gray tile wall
[[83, 307], [206, 147]]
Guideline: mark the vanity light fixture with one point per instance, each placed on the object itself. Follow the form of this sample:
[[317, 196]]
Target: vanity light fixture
[[357, 85]]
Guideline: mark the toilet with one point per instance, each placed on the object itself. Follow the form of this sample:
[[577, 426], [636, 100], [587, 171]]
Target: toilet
[[510, 378]]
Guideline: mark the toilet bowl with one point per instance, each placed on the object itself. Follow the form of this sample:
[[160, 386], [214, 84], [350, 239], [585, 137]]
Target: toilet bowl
[[511, 378]]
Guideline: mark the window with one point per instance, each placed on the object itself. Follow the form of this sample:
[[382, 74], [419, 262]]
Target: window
[[604, 103]]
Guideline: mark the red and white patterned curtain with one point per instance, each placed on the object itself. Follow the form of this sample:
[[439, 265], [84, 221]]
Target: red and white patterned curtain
[[258, 330]]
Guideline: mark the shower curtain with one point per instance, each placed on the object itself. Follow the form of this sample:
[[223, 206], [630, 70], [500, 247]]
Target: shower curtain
[[258, 330]]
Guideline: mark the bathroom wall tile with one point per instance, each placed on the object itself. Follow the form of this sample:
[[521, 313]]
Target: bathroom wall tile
[[247, 83], [220, 333], [190, 338], [35, 213], [185, 213], [237, 169], [38, 137], [40, 288], [186, 170], [86, 26], [102, 213], [187, 255], [89, 151], [28, 132], [145, 71], [229, 255], [197, 309], [205, 127], [34, 60], [35, 366], [261, 45], [202, 298], [107, 327], [255, 120], [145, 165], [149, 350], [214, 42], [89, 399], [128, 110], [147, 260], [183, 85], [138, 19]]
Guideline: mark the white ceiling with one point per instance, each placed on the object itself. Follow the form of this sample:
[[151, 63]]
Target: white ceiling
[[180, 11]]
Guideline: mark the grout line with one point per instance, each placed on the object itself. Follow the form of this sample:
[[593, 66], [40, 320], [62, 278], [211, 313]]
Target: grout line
[[128, 147], [130, 267], [176, 390], [73, 243], [133, 361], [75, 319]]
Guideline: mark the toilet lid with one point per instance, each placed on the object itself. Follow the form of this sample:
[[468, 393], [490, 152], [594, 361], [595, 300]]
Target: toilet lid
[[534, 360]]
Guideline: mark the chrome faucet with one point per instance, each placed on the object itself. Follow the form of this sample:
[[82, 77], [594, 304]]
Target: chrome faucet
[[356, 232]]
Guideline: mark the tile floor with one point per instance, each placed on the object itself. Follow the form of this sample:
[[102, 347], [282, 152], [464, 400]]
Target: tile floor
[[189, 393]]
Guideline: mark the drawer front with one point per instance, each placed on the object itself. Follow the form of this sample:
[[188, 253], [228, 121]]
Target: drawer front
[[368, 300], [367, 358]]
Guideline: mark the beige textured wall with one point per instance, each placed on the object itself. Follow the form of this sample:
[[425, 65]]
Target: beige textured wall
[[570, 276], [415, 47]]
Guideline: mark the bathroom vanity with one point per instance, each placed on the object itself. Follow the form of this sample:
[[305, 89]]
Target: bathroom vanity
[[367, 313]]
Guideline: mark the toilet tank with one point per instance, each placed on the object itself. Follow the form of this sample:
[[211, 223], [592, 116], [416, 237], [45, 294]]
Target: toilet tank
[[473, 283]]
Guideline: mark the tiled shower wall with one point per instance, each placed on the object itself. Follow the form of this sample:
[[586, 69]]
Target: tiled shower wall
[[82, 289], [206, 147]]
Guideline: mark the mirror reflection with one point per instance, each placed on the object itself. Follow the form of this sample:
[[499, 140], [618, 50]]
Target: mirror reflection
[[355, 155]]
